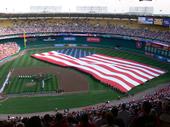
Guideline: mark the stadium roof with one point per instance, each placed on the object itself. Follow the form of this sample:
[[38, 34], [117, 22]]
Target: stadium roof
[[158, 7]]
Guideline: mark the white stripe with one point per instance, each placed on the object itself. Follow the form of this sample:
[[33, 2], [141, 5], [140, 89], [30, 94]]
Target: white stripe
[[66, 51], [36, 55], [84, 54], [55, 52], [79, 53], [64, 56], [71, 51], [45, 53]]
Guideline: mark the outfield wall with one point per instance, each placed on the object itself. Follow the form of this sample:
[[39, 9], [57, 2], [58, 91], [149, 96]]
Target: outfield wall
[[92, 40], [133, 44]]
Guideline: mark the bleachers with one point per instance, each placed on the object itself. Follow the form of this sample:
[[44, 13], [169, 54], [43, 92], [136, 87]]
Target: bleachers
[[121, 27], [8, 49]]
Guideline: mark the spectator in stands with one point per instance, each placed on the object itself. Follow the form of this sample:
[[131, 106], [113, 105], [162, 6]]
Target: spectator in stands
[[8, 49], [101, 120], [71, 25], [20, 124], [117, 121], [60, 121], [165, 116], [84, 121], [110, 120], [144, 119], [47, 120], [124, 114], [71, 121], [34, 121]]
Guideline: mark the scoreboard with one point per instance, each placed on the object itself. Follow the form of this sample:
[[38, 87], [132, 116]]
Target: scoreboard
[[157, 49]]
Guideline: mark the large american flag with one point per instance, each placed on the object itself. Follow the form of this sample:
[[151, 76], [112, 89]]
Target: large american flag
[[116, 72]]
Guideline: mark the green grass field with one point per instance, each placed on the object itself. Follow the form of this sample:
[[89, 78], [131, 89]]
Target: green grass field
[[97, 93], [25, 85]]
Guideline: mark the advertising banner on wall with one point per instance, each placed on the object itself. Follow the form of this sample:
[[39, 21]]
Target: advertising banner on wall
[[93, 39], [49, 39], [166, 22], [141, 20], [59, 45], [69, 39], [145, 20], [71, 45], [149, 20], [158, 21]]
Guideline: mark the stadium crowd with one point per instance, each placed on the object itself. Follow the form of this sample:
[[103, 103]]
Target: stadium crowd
[[34, 26], [8, 49], [153, 110]]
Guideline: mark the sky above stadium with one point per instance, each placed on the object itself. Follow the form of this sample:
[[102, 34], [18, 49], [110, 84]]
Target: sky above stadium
[[103, 6]]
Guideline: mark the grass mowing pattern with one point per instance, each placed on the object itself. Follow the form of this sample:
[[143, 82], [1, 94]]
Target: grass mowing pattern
[[95, 95], [18, 85], [47, 103]]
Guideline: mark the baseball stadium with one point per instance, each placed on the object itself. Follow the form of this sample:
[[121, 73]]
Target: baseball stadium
[[89, 64]]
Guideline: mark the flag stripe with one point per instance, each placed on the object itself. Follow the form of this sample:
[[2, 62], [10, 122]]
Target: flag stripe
[[116, 72]]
